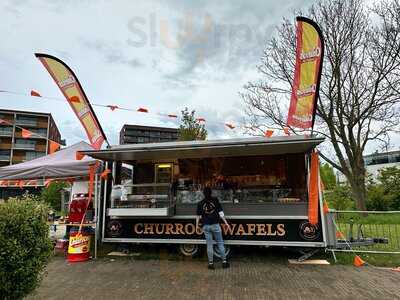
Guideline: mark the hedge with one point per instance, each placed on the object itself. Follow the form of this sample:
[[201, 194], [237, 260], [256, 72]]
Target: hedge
[[25, 246]]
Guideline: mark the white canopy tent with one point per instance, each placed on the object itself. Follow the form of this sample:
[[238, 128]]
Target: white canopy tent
[[60, 164]]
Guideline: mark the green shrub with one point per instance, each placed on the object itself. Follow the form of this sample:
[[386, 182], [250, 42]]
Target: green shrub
[[25, 246]]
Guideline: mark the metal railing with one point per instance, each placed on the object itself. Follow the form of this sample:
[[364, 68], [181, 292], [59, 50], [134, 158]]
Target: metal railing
[[367, 231]]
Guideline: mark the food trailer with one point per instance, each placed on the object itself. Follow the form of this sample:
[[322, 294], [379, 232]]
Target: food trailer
[[262, 184]]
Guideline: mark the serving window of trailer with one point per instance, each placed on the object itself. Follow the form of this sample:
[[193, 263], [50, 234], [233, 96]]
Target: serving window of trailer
[[235, 180]]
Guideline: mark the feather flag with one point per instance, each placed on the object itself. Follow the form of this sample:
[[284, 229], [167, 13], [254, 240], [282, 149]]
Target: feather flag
[[307, 74], [72, 90]]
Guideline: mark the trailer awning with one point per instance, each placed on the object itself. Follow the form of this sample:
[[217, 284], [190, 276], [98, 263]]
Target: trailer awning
[[211, 148]]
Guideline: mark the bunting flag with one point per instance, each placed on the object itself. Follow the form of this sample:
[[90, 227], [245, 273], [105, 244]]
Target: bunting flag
[[4, 122], [79, 155], [172, 116], [200, 120], [143, 110], [105, 173], [231, 126], [35, 94], [26, 133], [307, 74], [53, 146], [47, 182], [3, 183], [112, 107], [21, 183], [313, 193], [268, 133], [72, 89], [286, 130]]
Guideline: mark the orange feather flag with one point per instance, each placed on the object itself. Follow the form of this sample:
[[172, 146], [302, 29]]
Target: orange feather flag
[[269, 133], [143, 110], [35, 94], [26, 133], [53, 146]]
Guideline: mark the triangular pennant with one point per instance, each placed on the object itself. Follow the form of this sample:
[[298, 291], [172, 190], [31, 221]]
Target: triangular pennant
[[4, 121], [172, 116], [105, 173], [286, 130], [231, 126], [26, 133], [21, 183], [143, 110], [31, 183], [53, 146], [79, 155], [3, 182], [112, 107], [47, 182], [268, 133], [35, 94], [326, 208], [200, 120]]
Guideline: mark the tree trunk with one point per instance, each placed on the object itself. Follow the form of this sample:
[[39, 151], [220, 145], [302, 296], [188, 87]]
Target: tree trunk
[[357, 183]]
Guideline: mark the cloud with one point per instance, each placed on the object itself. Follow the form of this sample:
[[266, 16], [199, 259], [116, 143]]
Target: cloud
[[111, 53]]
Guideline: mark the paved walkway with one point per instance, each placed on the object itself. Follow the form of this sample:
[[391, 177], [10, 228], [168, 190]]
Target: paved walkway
[[150, 279]]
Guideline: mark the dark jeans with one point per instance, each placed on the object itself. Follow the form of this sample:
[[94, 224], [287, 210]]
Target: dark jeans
[[211, 231]]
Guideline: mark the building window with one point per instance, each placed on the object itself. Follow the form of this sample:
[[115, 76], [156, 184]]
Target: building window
[[32, 155]]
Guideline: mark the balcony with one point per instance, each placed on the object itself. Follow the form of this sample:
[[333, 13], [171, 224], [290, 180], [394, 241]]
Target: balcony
[[25, 146], [5, 132], [26, 122], [4, 157]]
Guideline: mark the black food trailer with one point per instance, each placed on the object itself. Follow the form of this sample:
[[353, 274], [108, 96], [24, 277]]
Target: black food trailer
[[262, 184]]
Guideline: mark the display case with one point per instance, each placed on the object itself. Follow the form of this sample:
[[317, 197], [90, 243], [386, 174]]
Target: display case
[[141, 200]]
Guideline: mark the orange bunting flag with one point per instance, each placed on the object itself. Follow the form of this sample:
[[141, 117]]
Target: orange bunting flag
[[200, 120], [74, 99], [47, 182], [79, 155], [35, 94], [31, 183], [326, 207], [112, 107], [269, 133], [53, 146], [339, 235], [105, 173], [21, 183], [143, 110], [231, 126], [172, 116], [286, 130], [26, 133], [358, 261]]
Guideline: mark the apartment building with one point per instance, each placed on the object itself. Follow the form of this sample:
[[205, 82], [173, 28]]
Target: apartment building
[[16, 149], [135, 134]]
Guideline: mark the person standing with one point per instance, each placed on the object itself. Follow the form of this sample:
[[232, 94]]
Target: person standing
[[209, 210]]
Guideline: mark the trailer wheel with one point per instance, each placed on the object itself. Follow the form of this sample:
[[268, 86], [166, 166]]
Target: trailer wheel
[[189, 250], [227, 251]]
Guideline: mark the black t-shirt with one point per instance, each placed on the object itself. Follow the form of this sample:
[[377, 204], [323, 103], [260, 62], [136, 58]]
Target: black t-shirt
[[208, 210]]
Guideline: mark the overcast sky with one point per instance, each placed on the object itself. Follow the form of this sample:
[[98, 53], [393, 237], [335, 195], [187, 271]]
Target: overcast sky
[[163, 55]]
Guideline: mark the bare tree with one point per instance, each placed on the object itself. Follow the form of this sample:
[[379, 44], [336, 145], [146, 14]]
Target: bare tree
[[359, 94]]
